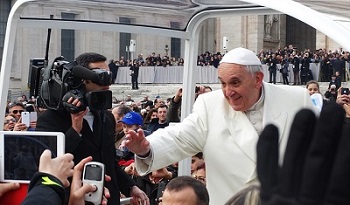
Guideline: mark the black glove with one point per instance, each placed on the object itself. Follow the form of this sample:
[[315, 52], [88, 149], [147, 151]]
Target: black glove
[[316, 165]]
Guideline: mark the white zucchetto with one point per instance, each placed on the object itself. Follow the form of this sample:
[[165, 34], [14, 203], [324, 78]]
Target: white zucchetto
[[241, 56]]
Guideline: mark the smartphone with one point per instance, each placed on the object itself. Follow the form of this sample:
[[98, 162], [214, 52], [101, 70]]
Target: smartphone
[[26, 118], [33, 116], [344, 91], [94, 174]]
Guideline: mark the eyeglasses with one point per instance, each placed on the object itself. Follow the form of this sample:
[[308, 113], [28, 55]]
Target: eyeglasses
[[17, 111], [9, 120]]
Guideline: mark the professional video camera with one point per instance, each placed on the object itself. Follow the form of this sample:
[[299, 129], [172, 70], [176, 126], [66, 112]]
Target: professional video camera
[[63, 79]]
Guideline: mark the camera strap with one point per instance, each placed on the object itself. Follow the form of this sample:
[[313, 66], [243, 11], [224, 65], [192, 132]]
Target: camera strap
[[97, 126]]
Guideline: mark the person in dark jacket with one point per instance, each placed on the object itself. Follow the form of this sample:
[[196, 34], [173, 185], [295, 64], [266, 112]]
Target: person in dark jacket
[[272, 62], [296, 69], [134, 73], [285, 71], [331, 94], [305, 69], [160, 121], [92, 133], [113, 67]]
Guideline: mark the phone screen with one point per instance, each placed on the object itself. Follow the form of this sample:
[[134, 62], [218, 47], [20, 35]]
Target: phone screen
[[93, 172]]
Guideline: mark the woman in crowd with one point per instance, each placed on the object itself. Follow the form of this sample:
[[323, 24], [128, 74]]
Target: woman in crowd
[[313, 87], [314, 90]]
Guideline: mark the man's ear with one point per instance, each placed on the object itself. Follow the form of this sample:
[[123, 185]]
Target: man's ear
[[87, 81], [259, 76]]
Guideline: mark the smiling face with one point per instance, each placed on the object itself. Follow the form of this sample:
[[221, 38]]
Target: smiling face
[[241, 88]]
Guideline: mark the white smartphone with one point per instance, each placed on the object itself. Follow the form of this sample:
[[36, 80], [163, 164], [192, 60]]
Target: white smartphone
[[33, 116], [26, 118], [94, 174]]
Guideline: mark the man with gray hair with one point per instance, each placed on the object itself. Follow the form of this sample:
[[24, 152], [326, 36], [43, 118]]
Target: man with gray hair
[[225, 126]]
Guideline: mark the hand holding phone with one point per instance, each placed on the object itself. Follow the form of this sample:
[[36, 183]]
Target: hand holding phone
[[94, 174]]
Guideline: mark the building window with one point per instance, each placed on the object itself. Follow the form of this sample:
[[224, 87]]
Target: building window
[[68, 39], [124, 40], [5, 7], [175, 42]]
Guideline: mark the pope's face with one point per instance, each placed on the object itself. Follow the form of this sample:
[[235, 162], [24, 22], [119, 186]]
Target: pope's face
[[241, 88]]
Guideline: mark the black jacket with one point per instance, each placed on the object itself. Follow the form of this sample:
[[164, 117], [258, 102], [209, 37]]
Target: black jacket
[[154, 125], [296, 64], [44, 193], [98, 143], [172, 114]]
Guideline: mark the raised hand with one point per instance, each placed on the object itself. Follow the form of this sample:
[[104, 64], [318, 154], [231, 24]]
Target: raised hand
[[316, 164], [61, 167], [137, 143]]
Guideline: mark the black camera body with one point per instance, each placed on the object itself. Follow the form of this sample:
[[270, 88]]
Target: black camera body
[[63, 79], [96, 100]]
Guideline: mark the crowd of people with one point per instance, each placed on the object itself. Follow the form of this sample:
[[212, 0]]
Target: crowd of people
[[332, 62], [152, 59], [290, 59], [141, 151]]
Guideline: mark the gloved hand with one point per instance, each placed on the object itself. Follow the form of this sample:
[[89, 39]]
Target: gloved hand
[[316, 165], [75, 94]]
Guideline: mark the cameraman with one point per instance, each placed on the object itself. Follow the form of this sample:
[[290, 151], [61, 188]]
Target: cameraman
[[331, 93], [91, 133]]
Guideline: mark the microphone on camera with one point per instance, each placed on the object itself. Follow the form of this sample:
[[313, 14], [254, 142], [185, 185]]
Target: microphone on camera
[[97, 76], [84, 73]]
